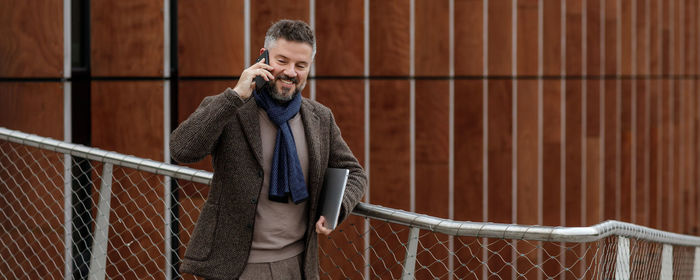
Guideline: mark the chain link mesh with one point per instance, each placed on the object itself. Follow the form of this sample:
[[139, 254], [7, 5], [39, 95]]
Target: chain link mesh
[[36, 239]]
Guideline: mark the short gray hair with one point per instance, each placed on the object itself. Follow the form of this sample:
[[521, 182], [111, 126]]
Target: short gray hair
[[291, 30]]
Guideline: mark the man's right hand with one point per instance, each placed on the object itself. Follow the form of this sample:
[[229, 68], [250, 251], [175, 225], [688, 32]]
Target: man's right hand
[[246, 82]]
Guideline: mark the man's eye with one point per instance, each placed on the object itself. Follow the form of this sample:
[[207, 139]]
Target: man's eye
[[301, 66], [281, 61]]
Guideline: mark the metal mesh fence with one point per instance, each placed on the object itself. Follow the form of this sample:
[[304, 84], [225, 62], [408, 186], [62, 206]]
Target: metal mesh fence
[[67, 217]]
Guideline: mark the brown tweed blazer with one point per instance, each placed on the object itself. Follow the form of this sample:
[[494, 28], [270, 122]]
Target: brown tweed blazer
[[228, 128]]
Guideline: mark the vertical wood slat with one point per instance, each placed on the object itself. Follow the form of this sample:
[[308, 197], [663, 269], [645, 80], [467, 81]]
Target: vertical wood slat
[[431, 122], [389, 119], [527, 149], [469, 132], [210, 38], [573, 127], [32, 44], [126, 38]]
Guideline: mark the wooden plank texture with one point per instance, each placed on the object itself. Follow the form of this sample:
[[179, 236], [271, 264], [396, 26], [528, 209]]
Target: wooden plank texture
[[32, 38], [210, 38], [126, 38]]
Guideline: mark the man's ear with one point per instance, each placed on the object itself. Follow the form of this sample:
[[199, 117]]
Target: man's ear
[[261, 51]]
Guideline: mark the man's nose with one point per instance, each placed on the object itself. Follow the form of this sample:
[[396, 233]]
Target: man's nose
[[289, 71]]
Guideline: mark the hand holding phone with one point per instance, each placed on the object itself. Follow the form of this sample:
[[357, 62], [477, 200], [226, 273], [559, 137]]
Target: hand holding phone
[[260, 73], [259, 80]]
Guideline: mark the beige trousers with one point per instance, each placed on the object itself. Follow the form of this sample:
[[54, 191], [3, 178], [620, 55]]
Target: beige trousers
[[289, 269]]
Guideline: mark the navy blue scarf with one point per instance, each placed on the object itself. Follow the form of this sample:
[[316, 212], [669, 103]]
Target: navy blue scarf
[[286, 175]]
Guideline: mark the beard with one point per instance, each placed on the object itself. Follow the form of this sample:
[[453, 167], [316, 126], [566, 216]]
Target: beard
[[280, 97]]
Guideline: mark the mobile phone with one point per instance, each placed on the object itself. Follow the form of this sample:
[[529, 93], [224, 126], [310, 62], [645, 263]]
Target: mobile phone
[[259, 80]]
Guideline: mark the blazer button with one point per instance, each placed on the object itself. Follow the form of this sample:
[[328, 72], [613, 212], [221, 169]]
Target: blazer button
[[260, 173], [253, 200], [249, 226]]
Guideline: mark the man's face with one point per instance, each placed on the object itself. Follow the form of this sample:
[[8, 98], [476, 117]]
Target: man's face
[[291, 62]]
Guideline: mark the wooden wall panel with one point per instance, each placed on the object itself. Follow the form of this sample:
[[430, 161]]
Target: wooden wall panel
[[499, 150], [594, 34], [551, 151], [655, 37], [574, 58], [32, 44], [626, 43], [696, 184], [676, 136], [594, 158], [390, 38], [344, 98], [677, 40], [641, 46], [32, 188], [611, 171], [264, 13], [551, 166], [432, 167], [611, 39], [593, 97], [691, 45], [210, 38], [389, 163], [138, 132], [500, 165], [665, 185], [625, 153], [35, 108], [500, 46], [551, 37], [431, 42], [641, 146], [573, 162], [126, 38], [432, 106], [469, 147], [689, 153], [469, 48], [654, 155], [468, 170], [528, 201], [527, 43], [665, 22], [339, 39]]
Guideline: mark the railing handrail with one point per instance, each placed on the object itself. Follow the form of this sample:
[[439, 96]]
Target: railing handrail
[[446, 226]]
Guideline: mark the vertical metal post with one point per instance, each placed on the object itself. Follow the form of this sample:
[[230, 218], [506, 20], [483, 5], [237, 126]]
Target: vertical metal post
[[98, 262], [667, 262], [409, 264], [68, 217], [696, 266], [622, 263]]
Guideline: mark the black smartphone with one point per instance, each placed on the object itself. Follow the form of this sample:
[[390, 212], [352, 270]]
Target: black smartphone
[[259, 80]]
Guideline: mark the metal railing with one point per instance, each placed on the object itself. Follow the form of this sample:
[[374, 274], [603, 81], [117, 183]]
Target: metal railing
[[64, 219]]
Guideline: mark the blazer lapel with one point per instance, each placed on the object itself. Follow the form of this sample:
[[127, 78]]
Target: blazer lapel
[[250, 121], [312, 128]]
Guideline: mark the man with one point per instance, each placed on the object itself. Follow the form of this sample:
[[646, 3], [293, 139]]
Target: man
[[270, 150]]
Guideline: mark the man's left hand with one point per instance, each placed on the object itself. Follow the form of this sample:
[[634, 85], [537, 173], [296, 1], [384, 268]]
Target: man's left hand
[[320, 226]]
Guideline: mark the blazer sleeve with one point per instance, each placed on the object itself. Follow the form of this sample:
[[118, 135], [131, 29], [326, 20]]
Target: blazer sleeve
[[196, 137], [342, 157]]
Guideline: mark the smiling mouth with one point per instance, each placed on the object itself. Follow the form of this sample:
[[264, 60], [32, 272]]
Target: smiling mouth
[[286, 80]]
